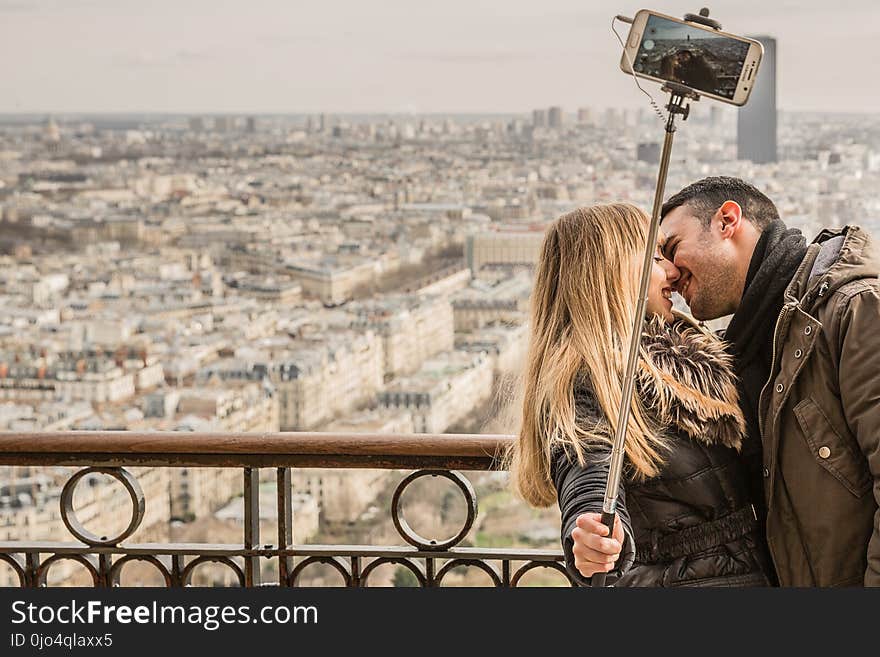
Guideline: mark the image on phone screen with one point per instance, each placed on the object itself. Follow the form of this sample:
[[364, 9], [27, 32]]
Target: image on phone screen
[[696, 58]]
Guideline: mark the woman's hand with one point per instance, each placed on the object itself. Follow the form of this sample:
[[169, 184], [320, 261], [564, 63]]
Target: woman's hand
[[593, 552]]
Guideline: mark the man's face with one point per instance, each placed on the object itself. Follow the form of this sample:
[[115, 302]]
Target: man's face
[[705, 261]]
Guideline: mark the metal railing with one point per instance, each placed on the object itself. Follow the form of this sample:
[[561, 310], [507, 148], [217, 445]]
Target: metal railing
[[104, 557]]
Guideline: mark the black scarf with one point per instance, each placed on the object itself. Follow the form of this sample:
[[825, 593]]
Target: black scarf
[[777, 256]]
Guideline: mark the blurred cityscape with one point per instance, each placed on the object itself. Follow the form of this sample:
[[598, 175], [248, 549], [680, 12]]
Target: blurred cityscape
[[322, 273]]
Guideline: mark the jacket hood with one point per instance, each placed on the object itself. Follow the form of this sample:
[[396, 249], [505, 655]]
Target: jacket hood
[[696, 388], [836, 257]]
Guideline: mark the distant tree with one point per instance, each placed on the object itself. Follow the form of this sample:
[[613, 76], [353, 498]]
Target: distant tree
[[404, 577]]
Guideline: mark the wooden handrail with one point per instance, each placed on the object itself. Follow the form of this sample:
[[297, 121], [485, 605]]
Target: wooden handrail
[[281, 449]]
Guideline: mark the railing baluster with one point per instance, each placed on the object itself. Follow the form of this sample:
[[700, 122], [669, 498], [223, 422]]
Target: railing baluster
[[32, 564], [285, 524], [430, 571], [104, 570], [251, 524], [355, 572], [176, 570]]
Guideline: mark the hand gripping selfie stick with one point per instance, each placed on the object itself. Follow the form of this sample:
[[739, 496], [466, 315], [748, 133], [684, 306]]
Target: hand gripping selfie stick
[[678, 94]]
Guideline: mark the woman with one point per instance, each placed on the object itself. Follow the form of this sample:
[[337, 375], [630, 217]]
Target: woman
[[683, 503]]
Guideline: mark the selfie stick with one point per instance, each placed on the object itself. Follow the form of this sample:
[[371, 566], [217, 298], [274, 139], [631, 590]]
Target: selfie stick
[[678, 95]]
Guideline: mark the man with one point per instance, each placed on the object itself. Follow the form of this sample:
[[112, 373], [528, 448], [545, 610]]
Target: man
[[805, 335]]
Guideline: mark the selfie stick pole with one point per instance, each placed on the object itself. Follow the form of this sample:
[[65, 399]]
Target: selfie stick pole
[[609, 506], [678, 95]]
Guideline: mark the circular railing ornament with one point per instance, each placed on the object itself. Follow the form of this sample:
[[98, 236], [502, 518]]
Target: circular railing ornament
[[532, 565], [186, 576], [449, 566], [116, 569], [409, 535], [16, 567], [86, 562], [384, 561], [75, 527], [334, 562]]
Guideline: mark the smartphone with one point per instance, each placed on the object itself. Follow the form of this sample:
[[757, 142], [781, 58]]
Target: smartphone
[[713, 63]]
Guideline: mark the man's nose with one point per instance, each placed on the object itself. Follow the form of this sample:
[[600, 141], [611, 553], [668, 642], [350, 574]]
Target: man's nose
[[673, 273]]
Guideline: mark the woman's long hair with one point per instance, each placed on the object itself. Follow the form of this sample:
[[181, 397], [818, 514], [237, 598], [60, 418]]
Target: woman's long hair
[[582, 311]]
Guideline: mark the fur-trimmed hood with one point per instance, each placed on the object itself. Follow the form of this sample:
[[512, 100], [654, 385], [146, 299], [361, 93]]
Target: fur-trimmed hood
[[695, 387]]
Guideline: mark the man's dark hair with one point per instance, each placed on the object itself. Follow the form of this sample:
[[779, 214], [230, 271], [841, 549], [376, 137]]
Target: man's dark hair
[[705, 196]]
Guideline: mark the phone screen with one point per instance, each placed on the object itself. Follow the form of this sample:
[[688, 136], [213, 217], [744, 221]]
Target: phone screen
[[690, 56]]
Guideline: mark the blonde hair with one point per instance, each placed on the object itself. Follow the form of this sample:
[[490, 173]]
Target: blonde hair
[[582, 311]]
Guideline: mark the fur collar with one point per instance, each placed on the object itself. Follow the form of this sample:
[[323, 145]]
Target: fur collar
[[695, 388]]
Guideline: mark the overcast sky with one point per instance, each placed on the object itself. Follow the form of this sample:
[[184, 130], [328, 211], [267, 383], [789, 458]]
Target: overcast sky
[[291, 56]]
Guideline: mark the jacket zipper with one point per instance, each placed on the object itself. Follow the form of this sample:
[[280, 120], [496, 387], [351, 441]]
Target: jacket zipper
[[785, 308]]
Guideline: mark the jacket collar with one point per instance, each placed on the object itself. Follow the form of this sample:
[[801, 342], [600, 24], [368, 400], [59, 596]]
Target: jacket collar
[[695, 388]]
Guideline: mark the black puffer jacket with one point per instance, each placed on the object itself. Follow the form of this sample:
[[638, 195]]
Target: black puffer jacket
[[693, 525]]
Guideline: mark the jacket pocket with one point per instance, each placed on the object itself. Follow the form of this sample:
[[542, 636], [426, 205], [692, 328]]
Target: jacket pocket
[[830, 450]]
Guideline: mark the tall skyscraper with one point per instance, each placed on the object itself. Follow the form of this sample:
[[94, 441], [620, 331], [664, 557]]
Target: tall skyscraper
[[555, 117], [756, 123]]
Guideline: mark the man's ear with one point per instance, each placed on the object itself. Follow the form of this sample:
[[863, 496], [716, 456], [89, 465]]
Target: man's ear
[[730, 218]]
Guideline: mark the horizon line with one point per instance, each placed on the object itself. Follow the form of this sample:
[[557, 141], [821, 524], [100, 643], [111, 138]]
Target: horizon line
[[242, 113]]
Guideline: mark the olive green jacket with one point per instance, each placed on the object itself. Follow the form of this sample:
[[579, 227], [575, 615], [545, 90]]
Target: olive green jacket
[[820, 418]]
